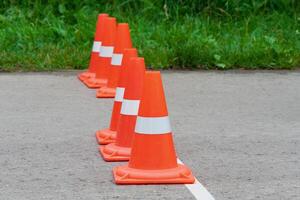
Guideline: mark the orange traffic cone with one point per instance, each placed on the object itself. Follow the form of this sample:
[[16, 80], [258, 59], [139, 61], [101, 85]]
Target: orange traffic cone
[[94, 60], [107, 136], [153, 157], [105, 54], [120, 150], [122, 41]]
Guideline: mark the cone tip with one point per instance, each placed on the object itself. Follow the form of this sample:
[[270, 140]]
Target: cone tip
[[140, 58], [130, 49], [152, 74], [137, 60], [103, 15], [123, 24], [123, 28], [111, 18], [130, 52]]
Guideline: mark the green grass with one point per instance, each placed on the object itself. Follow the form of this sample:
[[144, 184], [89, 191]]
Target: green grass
[[49, 36]]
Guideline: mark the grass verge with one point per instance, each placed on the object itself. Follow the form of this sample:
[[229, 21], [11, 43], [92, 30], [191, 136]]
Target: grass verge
[[53, 41]]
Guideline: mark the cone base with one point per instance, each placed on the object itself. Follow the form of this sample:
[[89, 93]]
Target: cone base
[[93, 82], [106, 92], [106, 136], [179, 175], [85, 75], [112, 152]]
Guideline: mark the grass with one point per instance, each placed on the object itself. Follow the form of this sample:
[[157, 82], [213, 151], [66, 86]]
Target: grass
[[39, 36]]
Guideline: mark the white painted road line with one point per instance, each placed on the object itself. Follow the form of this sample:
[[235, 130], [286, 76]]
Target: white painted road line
[[198, 190]]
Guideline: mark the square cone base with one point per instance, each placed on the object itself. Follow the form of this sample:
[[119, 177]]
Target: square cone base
[[178, 175], [106, 136], [93, 82], [85, 75], [106, 92], [112, 152]]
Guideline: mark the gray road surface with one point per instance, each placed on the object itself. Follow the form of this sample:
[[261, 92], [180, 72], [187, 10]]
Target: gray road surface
[[238, 131]]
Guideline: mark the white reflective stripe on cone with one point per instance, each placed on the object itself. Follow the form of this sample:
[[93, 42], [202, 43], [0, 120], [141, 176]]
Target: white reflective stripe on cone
[[153, 125], [119, 94], [117, 59], [106, 51], [96, 46], [130, 107]]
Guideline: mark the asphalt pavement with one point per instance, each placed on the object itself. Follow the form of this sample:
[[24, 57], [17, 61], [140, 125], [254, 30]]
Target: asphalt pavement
[[239, 132]]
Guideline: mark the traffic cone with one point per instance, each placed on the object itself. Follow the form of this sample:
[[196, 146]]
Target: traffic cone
[[108, 135], [153, 157], [105, 55], [94, 58], [120, 150], [122, 41]]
